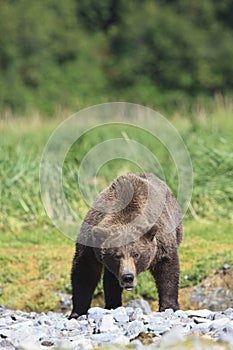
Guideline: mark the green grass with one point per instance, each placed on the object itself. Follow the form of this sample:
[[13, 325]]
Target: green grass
[[35, 258]]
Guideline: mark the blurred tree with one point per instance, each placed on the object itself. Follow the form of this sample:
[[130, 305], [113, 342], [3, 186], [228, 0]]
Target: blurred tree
[[54, 52], [97, 15], [177, 46], [35, 38]]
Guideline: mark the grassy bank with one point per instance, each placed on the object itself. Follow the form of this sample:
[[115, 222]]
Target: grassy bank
[[35, 258]]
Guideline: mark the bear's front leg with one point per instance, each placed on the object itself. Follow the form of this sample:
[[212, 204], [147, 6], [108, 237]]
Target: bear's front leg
[[166, 274], [85, 274], [112, 290]]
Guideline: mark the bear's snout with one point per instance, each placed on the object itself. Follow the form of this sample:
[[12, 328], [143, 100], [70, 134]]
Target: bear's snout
[[127, 274]]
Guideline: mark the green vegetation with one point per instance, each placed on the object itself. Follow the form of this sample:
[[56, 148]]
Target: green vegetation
[[35, 258], [77, 53]]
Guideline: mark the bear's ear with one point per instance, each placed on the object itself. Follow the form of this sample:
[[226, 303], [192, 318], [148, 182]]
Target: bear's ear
[[100, 234], [150, 234]]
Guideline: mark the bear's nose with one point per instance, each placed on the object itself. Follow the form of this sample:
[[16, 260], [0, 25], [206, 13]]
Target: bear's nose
[[127, 278]]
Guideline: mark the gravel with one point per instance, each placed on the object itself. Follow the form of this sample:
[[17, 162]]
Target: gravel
[[134, 324]]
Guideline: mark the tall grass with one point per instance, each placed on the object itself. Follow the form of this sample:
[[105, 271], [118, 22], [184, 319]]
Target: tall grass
[[208, 138]]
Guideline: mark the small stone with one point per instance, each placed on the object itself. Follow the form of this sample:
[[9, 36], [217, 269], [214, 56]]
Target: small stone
[[175, 336], [129, 311], [121, 339], [28, 346], [226, 267], [71, 324], [107, 337], [158, 328], [134, 328], [83, 322], [228, 329], [142, 304], [106, 324], [145, 338], [227, 338], [47, 343], [203, 328], [158, 319], [168, 313], [199, 313], [6, 344], [201, 320], [159, 323], [217, 324], [180, 314], [96, 310], [44, 320], [218, 315], [95, 314], [79, 344], [136, 343], [228, 312], [136, 315], [82, 317], [120, 315]]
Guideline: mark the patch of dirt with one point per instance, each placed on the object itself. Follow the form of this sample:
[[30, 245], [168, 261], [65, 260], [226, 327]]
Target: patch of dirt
[[214, 293]]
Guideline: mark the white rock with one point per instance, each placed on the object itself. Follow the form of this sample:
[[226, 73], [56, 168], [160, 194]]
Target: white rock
[[199, 313], [129, 310], [134, 328], [229, 312], [157, 319], [121, 340], [29, 346], [82, 344], [45, 341], [201, 320], [95, 314], [136, 315], [142, 304], [158, 328], [97, 310], [158, 324], [219, 323], [180, 313], [6, 345], [175, 336], [108, 337], [120, 315], [137, 343], [202, 327], [70, 324], [106, 324], [168, 313]]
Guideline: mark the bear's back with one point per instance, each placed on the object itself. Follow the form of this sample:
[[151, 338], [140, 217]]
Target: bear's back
[[134, 196]]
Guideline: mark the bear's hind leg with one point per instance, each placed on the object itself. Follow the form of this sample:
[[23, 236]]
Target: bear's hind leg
[[166, 274], [85, 274], [112, 290]]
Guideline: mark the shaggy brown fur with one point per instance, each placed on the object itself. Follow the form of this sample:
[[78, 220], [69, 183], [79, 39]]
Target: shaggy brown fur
[[133, 225]]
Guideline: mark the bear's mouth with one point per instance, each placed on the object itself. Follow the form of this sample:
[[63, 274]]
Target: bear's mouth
[[128, 288]]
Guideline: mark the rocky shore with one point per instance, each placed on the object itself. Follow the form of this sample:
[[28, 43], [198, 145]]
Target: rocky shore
[[135, 324]]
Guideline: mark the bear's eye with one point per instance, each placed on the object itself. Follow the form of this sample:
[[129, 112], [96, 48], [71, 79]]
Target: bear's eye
[[135, 255], [118, 256]]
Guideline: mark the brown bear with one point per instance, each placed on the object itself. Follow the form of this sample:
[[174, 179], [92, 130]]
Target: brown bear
[[133, 225]]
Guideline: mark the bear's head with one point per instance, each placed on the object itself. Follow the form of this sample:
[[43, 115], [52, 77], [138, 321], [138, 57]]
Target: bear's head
[[126, 261]]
